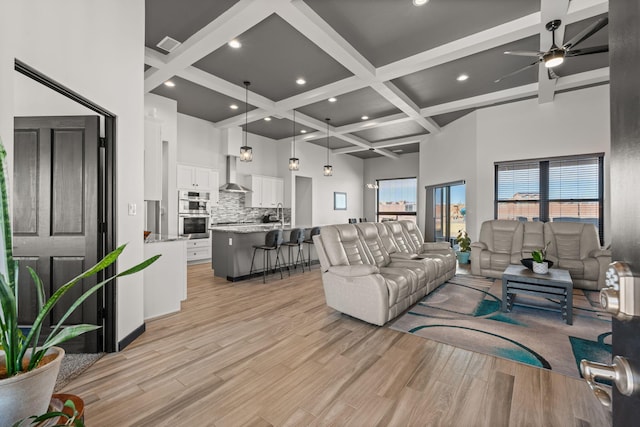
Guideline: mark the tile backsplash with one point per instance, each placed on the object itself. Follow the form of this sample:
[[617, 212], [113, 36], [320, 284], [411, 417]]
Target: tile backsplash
[[231, 209]]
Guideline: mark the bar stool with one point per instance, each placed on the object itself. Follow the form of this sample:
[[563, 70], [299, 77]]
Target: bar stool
[[272, 242], [296, 239], [309, 242], [353, 221]]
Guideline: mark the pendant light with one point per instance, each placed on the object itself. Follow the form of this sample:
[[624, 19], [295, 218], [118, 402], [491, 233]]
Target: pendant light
[[328, 169], [246, 153], [294, 162]]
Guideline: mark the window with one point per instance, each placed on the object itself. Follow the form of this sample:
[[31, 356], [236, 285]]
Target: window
[[559, 189], [397, 199]]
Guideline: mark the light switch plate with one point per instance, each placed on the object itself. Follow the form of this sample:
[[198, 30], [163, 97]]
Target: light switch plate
[[132, 209]]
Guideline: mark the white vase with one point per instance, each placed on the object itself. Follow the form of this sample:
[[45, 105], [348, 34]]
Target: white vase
[[540, 267], [28, 393]]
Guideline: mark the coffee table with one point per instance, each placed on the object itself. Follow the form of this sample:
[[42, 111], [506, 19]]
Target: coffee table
[[556, 285]]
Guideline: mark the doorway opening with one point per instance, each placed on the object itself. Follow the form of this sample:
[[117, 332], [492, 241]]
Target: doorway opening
[[304, 197], [446, 211], [63, 140]]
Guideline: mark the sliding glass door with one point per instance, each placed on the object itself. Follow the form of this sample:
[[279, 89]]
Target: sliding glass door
[[445, 213]]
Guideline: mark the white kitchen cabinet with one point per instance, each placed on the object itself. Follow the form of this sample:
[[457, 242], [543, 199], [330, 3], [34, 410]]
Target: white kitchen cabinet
[[267, 191], [197, 178], [152, 159], [198, 249]]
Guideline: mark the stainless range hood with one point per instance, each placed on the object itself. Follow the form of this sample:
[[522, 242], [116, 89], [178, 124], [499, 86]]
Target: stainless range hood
[[232, 186]]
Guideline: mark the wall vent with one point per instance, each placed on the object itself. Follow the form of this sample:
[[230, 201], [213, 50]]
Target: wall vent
[[168, 44]]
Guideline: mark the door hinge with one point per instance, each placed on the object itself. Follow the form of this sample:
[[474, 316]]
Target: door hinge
[[103, 227], [102, 313], [103, 142]]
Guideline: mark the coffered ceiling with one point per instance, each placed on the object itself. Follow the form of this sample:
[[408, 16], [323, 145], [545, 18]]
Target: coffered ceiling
[[391, 66]]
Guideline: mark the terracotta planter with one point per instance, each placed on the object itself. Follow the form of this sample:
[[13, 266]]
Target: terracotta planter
[[28, 393]]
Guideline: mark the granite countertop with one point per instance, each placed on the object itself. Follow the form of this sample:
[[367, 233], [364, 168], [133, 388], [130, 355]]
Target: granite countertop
[[249, 228], [158, 238]]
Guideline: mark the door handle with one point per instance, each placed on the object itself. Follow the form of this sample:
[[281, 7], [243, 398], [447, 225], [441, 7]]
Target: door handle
[[625, 378]]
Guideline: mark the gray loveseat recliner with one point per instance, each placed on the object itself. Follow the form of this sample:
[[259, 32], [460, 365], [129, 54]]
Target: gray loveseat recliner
[[574, 246], [364, 276]]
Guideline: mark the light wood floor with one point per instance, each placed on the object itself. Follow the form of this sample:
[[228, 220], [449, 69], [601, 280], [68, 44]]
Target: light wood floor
[[259, 354]]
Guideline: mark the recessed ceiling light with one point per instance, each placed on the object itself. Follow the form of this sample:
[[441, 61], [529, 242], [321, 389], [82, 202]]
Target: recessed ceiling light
[[365, 117], [419, 2], [235, 44], [462, 77], [169, 83], [233, 106], [301, 81], [303, 131], [333, 99], [267, 119]]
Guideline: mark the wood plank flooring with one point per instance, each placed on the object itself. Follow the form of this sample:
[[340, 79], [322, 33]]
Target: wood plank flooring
[[254, 354]]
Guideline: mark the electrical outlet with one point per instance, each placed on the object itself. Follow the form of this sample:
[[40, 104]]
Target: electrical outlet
[[230, 241], [132, 209]]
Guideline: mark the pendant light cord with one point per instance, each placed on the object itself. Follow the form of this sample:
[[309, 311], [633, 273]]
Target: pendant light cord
[[246, 111], [294, 132]]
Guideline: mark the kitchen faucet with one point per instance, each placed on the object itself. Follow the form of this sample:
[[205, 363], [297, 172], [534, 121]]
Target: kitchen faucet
[[280, 214]]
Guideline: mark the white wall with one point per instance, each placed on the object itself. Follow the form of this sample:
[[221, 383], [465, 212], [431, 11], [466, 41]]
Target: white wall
[[76, 43], [450, 156], [166, 111], [347, 177], [407, 166], [575, 122]]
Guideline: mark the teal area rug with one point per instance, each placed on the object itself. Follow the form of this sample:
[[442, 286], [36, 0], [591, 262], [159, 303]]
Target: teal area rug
[[466, 312]]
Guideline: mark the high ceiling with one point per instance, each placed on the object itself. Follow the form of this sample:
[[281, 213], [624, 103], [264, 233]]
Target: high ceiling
[[387, 60]]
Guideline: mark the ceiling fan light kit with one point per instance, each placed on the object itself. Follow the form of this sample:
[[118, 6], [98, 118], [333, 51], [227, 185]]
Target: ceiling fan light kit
[[556, 55]]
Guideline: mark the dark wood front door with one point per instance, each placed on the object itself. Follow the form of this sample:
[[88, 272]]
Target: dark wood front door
[[624, 57], [55, 216]]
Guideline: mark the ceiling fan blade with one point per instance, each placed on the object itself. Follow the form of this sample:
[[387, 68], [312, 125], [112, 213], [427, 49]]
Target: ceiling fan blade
[[552, 75], [586, 33], [523, 53], [519, 70], [588, 50]]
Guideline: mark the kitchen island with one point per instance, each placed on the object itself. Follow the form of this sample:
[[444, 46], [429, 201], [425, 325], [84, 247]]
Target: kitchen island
[[232, 249]]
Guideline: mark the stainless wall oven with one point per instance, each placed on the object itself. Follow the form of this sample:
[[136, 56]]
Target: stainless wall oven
[[193, 214], [193, 226], [193, 202]]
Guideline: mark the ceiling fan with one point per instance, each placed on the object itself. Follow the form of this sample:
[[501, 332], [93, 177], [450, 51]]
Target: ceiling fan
[[556, 55]]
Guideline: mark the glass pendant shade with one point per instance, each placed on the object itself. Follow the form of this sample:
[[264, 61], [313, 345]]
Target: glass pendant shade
[[328, 169], [246, 152], [294, 164]]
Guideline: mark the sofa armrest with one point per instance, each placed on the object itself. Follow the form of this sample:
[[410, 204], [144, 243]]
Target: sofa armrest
[[479, 245], [402, 256], [353, 270], [435, 246], [596, 253]]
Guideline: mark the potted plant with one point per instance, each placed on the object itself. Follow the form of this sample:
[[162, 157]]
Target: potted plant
[[27, 371], [540, 263], [67, 414], [464, 247]]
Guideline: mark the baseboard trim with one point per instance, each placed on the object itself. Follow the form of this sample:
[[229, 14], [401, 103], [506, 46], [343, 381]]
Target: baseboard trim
[[131, 337]]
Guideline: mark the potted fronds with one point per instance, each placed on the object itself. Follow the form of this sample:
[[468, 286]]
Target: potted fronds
[[27, 371], [540, 263], [464, 247]]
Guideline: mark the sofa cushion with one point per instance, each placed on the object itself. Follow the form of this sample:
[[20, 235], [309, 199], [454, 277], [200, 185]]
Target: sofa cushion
[[400, 240]]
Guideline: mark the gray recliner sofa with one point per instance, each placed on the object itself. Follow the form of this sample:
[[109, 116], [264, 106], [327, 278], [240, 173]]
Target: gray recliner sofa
[[574, 246], [364, 279]]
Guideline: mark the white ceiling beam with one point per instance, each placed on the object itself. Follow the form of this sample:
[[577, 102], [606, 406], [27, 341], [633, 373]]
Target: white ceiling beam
[[384, 144], [154, 58], [405, 104], [550, 10], [474, 43], [308, 22], [601, 75], [323, 93], [236, 20], [583, 9], [374, 123]]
